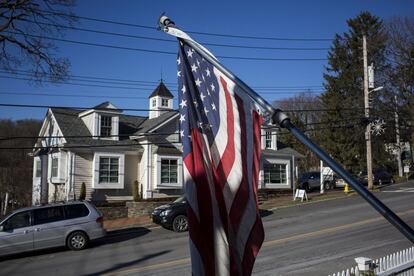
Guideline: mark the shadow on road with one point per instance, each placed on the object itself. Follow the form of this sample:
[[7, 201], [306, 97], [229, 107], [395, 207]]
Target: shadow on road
[[265, 213], [120, 236], [112, 237], [128, 264]]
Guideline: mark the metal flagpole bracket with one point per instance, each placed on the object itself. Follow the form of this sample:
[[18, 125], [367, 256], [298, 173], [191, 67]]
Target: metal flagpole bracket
[[280, 118]]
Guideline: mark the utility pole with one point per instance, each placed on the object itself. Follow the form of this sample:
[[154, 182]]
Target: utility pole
[[397, 138], [366, 104]]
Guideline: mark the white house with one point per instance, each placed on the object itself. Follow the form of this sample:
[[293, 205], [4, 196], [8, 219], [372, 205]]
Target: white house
[[108, 151]]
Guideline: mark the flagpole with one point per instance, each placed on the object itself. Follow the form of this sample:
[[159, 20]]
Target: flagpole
[[279, 117]]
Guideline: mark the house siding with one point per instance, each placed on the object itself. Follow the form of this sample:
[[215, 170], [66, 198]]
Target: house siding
[[83, 173]]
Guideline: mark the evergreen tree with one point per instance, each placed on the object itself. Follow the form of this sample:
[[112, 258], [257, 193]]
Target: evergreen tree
[[344, 138]]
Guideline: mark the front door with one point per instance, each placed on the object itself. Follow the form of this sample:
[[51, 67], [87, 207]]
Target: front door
[[17, 234]]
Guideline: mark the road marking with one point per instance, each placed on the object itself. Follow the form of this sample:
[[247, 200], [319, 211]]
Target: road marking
[[295, 237], [401, 190]]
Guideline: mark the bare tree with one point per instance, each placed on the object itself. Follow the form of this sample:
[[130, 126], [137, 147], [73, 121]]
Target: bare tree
[[401, 52], [300, 108], [27, 29]]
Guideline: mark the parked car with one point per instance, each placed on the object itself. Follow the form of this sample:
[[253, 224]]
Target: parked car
[[172, 216], [380, 176], [312, 180], [71, 224], [340, 182]]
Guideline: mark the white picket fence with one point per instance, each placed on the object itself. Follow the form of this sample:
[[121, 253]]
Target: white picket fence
[[402, 261]]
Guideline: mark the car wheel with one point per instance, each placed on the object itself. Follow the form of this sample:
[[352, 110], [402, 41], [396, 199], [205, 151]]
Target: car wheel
[[306, 187], [327, 186], [77, 240], [379, 182], [392, 181], [180, 223]]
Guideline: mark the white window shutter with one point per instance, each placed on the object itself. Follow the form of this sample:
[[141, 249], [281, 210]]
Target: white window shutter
[[115, 128]]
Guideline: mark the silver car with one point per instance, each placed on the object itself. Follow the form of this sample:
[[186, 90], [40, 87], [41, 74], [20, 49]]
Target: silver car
[[71, 224]]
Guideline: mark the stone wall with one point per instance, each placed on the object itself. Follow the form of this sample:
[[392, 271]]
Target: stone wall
[[114, 212], [143, 207]]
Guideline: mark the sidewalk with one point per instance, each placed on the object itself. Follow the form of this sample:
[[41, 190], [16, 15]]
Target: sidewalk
[[271, 204]]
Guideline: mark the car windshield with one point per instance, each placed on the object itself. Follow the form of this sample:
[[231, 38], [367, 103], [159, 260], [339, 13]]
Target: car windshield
[[181, 199]]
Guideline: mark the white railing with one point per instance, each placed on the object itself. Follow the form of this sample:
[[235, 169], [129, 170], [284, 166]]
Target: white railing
[[389, 265]]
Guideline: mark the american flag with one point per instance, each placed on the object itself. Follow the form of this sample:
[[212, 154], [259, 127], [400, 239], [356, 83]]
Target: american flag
[[220, 132]]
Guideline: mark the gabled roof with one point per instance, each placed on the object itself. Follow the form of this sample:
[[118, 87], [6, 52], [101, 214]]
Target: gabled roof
[[287, 151], [150, 124], [76, 133], [107, 105], [161, 91]]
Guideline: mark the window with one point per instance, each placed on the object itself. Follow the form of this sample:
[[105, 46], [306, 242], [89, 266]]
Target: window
[[169, 169], [108, 169], [55, 166], [18, 221], [76, 211], [275, 173], [154, 102], [106, 126], [164, 102], [38, 168], [47, 215], [268, 140]]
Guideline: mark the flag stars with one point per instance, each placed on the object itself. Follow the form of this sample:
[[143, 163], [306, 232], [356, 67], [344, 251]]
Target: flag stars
[[195, 103], [198, 82], [202, 97], [208, 92], [183, 104], [198, 62], [194, 68], [208, 72], [182, 118], [178, 73], [206, 110], [213, 88], [178, 61], [190, 53], [181, 133], [183, 89], [213, 106]]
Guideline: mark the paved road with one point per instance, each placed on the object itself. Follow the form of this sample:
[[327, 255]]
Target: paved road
[[314, 239]]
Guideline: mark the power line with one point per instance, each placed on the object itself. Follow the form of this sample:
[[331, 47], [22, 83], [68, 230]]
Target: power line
[[191, 32], [148, 83], [167, 52], [175, 41], [86, 146], [81, 108], [83, 84], [72, 95], [136, 109]]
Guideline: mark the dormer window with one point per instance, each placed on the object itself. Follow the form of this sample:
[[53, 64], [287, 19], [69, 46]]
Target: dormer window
[[164, 102], [268, 140], [106, 126], [154, 102]]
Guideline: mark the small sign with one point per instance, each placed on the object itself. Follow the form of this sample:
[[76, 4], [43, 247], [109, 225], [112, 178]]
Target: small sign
[[300, 193], [406, 169]]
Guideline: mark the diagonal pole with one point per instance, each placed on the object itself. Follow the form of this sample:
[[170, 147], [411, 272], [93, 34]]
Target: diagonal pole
[[283, 121]]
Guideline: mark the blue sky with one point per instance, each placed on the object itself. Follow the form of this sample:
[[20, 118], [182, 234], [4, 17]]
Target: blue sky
[[283, 19]]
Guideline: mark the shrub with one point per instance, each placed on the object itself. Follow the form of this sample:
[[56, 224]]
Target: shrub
[[135, 191], [82, 194]]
